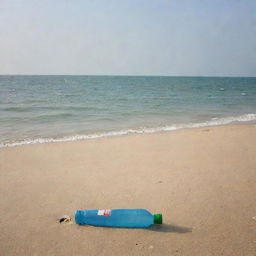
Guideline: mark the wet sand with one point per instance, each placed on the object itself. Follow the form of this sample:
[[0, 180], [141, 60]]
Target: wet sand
[[203, 181]]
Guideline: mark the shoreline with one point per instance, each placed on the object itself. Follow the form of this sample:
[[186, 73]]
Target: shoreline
[[243, 120], [202, 180]]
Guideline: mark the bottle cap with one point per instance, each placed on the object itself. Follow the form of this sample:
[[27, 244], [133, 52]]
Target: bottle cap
[[158, 218]]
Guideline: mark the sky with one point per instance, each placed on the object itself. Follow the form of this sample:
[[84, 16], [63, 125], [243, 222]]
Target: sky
[[128, 37]]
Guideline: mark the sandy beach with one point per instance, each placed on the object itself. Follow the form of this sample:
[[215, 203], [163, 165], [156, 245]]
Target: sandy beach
[[202, 180]]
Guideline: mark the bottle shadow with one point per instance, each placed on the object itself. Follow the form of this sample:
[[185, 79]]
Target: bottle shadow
[[170, 228]]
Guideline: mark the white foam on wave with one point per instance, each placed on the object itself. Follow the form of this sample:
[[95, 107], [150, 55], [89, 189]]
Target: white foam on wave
[[212, 122]]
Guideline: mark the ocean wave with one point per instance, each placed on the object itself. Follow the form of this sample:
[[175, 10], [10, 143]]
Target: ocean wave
[[49, 117], [142, 130], [16, 109], [39, 108]]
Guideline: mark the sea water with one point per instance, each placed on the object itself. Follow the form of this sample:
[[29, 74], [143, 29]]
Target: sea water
[[39, 109]]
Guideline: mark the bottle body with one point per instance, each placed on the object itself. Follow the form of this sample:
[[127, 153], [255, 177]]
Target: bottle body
[[128, 218]]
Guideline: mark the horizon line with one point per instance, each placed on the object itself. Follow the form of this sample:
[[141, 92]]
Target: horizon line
[[128, 75]]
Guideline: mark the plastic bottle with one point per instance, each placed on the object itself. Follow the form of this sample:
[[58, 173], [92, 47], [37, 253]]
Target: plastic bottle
[[127, 218]]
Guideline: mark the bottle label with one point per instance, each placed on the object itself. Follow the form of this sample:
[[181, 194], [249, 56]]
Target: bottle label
[[106, 212]]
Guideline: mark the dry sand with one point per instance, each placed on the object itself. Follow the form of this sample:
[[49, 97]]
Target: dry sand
[[202, 180]]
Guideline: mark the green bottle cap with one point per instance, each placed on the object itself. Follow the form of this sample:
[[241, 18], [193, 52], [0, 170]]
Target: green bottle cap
[[158, 218]]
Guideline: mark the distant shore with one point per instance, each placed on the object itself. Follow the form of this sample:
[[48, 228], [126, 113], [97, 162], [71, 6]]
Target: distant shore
[[202, 180]]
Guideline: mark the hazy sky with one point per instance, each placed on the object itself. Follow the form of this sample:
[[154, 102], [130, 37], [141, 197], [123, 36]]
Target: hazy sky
[[128, 37]]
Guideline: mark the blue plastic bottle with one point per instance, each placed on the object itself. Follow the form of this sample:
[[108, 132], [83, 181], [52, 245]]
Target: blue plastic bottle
[[126, 218]]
